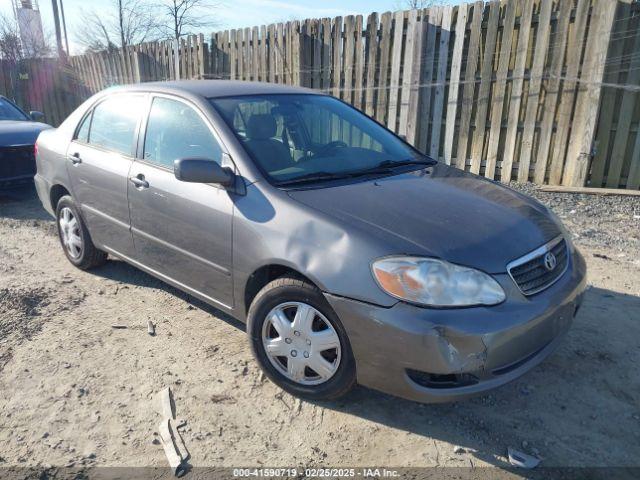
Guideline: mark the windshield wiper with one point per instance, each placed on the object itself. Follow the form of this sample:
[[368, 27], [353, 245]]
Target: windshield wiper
[[314, 177], [410, 161], [386, 166]]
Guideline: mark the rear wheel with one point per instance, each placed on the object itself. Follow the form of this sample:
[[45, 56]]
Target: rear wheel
[[299, 341], [74, 236]]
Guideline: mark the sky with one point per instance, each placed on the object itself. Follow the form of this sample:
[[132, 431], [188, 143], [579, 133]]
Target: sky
[[230, 13]]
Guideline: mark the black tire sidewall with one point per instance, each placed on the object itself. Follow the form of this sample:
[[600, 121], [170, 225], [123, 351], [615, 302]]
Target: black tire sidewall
[[342, 380], [68, 202]]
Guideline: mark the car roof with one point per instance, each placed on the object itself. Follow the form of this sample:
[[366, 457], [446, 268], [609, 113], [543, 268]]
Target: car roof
[[216, 88]]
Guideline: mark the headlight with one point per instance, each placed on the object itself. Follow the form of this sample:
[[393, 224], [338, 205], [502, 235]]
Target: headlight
[[436, 283]]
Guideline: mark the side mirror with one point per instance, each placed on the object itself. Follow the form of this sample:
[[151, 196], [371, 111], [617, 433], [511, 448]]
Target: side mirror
[[200, 170], [36, 116]]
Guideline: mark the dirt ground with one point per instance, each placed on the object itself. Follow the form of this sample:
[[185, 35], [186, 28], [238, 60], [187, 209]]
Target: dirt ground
[[76, 392]]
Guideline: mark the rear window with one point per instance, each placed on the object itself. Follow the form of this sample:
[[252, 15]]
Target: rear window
[[8, 111]]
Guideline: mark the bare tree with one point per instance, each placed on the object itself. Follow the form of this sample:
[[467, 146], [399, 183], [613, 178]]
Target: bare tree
[[95, 33], [10, 48], [414, 4], [122, 23], [184, 17], [15, 47]]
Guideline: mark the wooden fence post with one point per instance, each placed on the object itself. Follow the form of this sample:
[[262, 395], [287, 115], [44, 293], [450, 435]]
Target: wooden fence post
[[608, 111], [416, 78], [569, 84], [386, 20], [176, 59], [486, 73], [138, 75], [497, 101], [624, 117], [454, 82], [441, 76], [539, 58], [588, 99], [409, 92], [469, 85], [516, 92], [396, 64]]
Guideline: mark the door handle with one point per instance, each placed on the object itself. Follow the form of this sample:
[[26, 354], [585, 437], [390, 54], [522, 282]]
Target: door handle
[[75, 158], [139, 181]]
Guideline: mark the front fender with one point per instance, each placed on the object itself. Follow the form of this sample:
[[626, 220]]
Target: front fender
[[272, 229]]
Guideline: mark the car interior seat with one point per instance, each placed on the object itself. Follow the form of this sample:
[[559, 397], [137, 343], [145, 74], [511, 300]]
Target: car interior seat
[[273, 154]]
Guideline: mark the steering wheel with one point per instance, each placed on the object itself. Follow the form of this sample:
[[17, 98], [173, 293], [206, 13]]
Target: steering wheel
[[329, 147]]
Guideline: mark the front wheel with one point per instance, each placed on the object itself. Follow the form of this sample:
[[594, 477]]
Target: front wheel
[[299, 342], [74, 236]]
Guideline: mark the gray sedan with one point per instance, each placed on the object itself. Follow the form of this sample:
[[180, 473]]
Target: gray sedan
[[352, 257]]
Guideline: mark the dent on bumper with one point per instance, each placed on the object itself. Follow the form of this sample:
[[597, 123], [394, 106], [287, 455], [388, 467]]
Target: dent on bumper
[[493, 344]]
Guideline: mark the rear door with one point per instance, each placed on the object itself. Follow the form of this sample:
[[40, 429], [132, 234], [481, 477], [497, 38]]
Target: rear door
[[99, 159], [181, 230]]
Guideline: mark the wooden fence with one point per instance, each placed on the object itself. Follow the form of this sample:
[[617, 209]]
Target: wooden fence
[[42, 84], [537, 90]]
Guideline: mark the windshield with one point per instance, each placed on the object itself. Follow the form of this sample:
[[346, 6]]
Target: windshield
[[8, 111], [303, 137]]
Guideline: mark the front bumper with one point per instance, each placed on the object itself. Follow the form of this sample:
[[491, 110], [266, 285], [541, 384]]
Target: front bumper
[[17, 165], [472, 349], [16, 181]]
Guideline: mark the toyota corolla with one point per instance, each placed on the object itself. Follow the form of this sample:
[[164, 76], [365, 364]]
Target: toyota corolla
[[351, 256]]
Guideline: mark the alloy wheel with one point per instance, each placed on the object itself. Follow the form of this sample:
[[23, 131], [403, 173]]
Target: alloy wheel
[[70, 232]]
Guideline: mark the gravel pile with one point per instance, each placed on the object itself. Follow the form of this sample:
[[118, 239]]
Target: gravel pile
[[610, 222]]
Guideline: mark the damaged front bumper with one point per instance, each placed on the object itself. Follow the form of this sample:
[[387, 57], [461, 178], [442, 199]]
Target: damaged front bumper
[[439, 355]]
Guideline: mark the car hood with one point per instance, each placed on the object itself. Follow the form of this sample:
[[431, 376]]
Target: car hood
[[16, 132], [441, 212]]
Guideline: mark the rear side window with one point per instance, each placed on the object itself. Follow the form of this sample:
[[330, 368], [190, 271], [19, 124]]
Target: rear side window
[[114, 123], [175, 130]]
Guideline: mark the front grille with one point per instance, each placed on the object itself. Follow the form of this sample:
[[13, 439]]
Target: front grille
[[532, 273], [17, 161]]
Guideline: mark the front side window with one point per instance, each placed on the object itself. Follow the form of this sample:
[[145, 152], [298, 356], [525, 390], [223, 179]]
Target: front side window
[[296, 136], [114, 123], [8, 111], [175, 130], [83, 131]]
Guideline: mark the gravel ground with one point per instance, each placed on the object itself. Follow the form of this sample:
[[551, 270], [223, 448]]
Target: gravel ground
[[610, 222], [75, 392]]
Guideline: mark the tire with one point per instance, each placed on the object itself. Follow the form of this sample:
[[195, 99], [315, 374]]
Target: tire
[[283, 295], [84, 254]]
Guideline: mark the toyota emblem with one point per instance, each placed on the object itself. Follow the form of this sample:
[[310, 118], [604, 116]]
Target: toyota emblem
[[550, 261]]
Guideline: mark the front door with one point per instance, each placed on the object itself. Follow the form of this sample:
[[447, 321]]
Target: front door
[[98, 162], [181, 230]]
